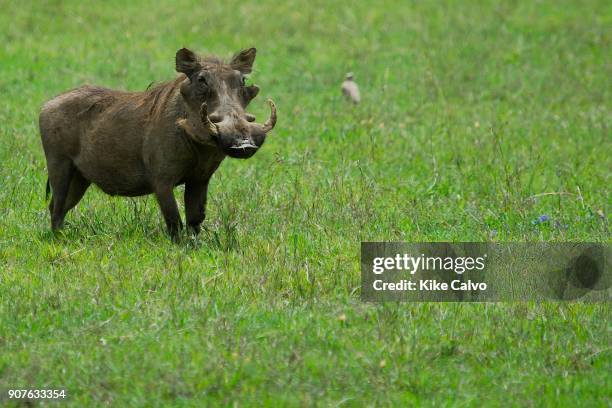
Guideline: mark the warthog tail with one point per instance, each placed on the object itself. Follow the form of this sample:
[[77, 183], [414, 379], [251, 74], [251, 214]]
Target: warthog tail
[[47, 190]]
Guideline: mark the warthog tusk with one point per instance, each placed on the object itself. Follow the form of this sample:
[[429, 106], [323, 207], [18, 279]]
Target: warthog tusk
[[200, 133], [269, 125], [208, 125], [195, 132]]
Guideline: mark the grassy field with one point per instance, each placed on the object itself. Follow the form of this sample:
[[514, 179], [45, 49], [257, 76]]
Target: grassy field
[[471, 110]]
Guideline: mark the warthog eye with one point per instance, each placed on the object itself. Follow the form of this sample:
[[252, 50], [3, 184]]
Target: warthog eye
[[202, 79]]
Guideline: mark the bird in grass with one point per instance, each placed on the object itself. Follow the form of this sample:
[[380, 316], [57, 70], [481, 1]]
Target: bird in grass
[[350, 89]]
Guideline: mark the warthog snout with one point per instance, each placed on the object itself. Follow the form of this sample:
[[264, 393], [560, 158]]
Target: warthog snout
[[237, 134]]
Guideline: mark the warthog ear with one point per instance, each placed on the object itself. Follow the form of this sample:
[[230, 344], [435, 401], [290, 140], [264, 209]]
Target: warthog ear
[[252, 91], [187, 62], [243, 61]]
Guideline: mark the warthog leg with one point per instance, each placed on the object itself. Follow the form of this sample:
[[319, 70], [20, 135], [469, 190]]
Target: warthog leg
[[169, 209], [60, 171], [195, 204], [78, 186]]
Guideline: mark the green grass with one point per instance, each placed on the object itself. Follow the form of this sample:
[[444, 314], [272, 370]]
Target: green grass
[[469, 110]]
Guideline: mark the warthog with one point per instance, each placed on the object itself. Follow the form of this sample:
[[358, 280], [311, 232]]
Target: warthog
[[137, 143]]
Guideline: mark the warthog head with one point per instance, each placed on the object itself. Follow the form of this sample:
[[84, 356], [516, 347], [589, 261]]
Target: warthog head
[[218, 93]]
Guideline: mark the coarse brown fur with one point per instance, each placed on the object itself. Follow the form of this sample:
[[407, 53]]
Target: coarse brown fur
[[136, 143]]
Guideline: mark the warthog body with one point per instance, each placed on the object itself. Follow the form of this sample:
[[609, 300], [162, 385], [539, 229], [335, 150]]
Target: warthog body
[[136, 143]]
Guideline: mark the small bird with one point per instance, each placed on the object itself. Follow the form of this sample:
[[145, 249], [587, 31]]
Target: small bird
[[350, 89]]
